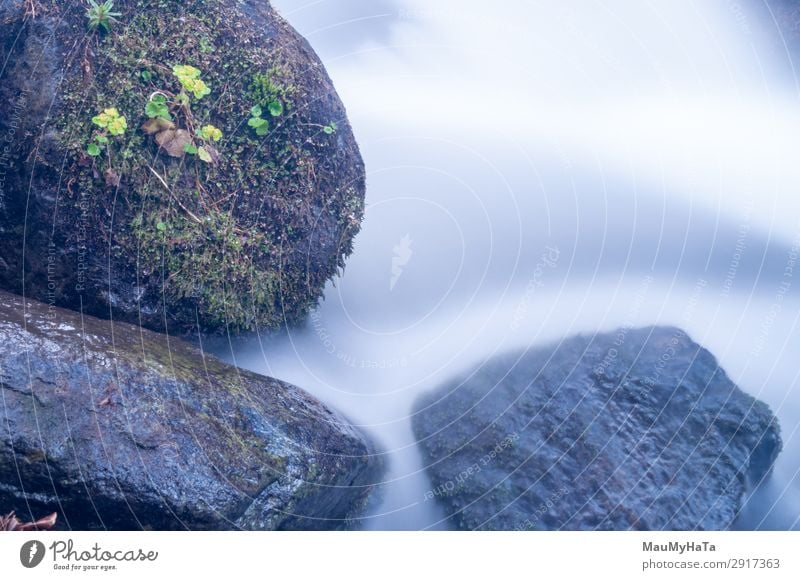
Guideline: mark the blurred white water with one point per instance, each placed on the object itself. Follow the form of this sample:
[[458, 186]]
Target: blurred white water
[[535, 171]]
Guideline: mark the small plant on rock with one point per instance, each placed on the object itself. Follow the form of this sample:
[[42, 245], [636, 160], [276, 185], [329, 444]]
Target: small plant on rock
[[111, 120], [328, 129], [190, 80], [111, 124], [101, 16], [162, 109], [210, 133], [270, 94], [206, 153], [257, 122]]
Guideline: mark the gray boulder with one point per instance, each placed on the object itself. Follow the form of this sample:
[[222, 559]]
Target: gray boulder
[[640, 429], [119, 428]]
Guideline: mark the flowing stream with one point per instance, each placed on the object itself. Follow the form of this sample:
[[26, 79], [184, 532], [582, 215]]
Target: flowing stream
[[518, 195]]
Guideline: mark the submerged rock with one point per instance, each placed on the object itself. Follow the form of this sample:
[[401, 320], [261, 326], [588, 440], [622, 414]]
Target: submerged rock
[[243, 230], [635, 430], [120, 428]]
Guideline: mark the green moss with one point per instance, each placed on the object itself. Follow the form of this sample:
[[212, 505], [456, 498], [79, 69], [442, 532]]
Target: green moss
[[270, 87], [211, 260]]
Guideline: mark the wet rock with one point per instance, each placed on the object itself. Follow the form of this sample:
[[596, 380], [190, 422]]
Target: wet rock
[[639, 429], [120, 428], [242, 234]]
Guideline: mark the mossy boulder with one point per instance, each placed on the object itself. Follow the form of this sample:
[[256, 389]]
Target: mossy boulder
[[172, 226], [115, 427]]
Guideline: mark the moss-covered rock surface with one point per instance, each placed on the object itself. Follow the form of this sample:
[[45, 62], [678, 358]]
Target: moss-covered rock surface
[[163, 222]]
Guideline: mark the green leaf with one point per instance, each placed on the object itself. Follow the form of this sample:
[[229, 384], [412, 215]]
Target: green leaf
[[157, 107], [210, 133], [328, 130], [256, 122], [190, 149], [147, 76], [256, 111], [204, 155], [262, 130], [161, 227], [276, 108], [93, 150], [200, 89], [102, 139], [185, 71]]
